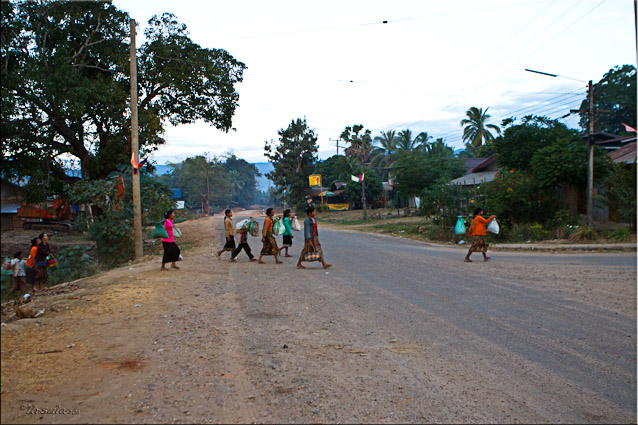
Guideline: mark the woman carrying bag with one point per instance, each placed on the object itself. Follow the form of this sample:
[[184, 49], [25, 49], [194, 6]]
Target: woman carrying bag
[[269, 243], [478, 232], [171, 250], [311, 244]]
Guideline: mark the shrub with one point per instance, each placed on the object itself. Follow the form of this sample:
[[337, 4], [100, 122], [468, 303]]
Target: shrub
[[584, 233], [564, 217], [537, 232], [73, 263], [620, 234]]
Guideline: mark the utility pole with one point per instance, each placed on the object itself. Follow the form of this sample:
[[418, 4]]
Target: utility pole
[[337, 140], [590, 164], [137, 206], [363, 189]]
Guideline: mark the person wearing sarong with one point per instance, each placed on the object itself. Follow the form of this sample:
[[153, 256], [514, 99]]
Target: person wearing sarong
[[171, 250], [287, 242], [311, 239], [270, 244], [43, 253], [30, 269], [478, 231], [228, 233]]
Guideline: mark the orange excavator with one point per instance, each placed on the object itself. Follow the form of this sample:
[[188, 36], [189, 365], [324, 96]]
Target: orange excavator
[[53, 215]]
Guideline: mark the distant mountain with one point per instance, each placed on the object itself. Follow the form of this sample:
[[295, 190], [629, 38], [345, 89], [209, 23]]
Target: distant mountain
[[263, 183]]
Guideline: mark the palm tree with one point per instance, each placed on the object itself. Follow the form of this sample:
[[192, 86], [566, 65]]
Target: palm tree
[[422, 139], [476, 129], [439, 148], [382, 155], [405, 143], [236, 183]]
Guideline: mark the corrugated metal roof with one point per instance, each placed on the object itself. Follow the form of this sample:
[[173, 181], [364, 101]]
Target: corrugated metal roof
[[626, 154], [475, 178]]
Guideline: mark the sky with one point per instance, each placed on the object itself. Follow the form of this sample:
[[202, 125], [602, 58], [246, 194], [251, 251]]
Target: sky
[[338, 64]]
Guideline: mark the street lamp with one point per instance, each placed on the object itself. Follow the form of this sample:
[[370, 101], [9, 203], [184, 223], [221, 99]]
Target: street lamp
[[590, 143]]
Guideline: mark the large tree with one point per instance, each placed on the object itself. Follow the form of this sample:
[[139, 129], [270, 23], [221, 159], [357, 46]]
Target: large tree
[[615, 97], [66, 85], [382, 155], [293, 158], [241, 176], [476, 130]]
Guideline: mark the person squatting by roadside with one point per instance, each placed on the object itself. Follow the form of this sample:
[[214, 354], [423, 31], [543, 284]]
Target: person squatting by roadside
[[229, 233], [478, 231], [171, 250], [311, 239]]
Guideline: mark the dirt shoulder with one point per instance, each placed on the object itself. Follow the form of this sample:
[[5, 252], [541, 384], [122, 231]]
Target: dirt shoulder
[[214, 343]]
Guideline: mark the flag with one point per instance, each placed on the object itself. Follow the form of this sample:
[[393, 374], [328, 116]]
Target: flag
[[134, 163], [628, 129], [357, 179]]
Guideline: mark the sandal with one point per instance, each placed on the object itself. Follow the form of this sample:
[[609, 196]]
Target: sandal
[[487, 258], [467, 260]]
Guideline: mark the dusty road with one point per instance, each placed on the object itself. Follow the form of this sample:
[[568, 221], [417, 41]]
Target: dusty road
[[396, 331]]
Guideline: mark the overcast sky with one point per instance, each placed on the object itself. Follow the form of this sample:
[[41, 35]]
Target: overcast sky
[[337, 64]]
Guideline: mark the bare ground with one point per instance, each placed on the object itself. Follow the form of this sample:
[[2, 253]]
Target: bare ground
[[213, 343]]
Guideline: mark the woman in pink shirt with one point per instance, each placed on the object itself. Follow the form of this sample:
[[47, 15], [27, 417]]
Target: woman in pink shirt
[[171, 250]]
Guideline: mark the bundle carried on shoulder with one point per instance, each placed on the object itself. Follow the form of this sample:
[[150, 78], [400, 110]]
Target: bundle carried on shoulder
[[278, 227], [160, 232], [250, 225]]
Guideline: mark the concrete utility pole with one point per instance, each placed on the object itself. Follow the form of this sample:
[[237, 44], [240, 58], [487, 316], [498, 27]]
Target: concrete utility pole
[[590, 164], [137, 205]]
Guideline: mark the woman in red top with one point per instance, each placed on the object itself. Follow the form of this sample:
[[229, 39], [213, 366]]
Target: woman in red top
[[30, 264], [477, 231]]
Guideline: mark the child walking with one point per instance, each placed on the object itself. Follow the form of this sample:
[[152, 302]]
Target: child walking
[[243, 244], [18, 274], [228, 232], [478, 231], [287, 243]]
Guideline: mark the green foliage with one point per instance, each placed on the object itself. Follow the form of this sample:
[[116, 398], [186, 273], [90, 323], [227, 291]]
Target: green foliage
[[565, 161], [519, 143], [616, 94], [515, 197], [537, 232], [241, 178], [203, 182], [113, 233], [293, 158], [73, 263], [112, 226], [584, 234], [620, 234], [622, 192], [336, 168], [373, 188], [564, 217], [418, 171], [477, 130], [444, 203], [66, 87]]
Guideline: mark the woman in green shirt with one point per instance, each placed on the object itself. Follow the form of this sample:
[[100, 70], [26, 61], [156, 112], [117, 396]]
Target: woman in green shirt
[[287, 243]]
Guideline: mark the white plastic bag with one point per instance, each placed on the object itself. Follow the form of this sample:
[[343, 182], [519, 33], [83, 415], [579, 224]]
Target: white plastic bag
[[295, 224], [492, 227], [243, 224]]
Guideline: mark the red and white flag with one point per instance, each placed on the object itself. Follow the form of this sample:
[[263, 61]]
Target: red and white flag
[[629, 129], [134, 161]]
